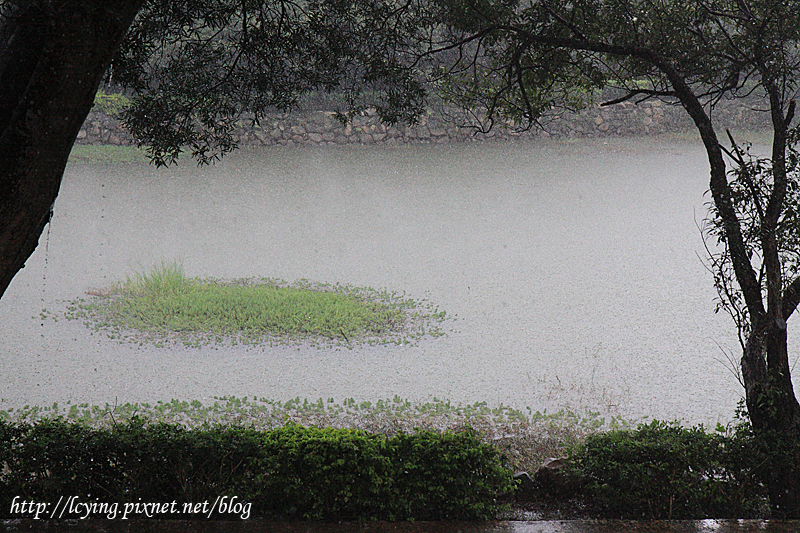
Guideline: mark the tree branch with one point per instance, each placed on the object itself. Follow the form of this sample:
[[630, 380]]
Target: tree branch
[[791, 298], [789, 114], [737, 156], [637, 92], [720, 189]]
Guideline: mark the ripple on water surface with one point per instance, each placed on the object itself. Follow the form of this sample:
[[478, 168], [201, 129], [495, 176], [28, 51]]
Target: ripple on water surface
[[571, 271]]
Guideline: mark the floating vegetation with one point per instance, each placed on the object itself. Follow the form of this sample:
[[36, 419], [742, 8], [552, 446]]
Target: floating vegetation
[[164, 307], [526, 437]]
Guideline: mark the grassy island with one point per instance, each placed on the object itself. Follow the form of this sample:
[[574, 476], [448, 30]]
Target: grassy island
[[165, 306]]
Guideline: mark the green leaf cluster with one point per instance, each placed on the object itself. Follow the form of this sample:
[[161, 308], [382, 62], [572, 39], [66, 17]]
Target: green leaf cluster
[[198, 67], [111, 103], [752, 181], [328, 473], [292, 472], [665, 471]]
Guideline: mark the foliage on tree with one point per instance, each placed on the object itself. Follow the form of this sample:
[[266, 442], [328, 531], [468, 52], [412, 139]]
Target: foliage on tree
[[198, 67]]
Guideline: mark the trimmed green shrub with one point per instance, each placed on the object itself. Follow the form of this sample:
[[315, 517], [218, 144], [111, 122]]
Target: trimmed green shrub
[[52, 457], [446, 476], [665, 471], [349, 474], [166, 462], [292, 472], [314, 473], [772, 454]]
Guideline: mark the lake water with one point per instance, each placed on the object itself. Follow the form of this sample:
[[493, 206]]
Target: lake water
[[571, 271]]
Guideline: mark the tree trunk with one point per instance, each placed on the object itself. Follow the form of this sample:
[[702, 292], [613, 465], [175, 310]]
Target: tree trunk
[[771, 403], [775, 415], [53, 55]]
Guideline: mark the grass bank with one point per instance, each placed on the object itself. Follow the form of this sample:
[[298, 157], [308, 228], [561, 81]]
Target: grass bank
[[82, 153]]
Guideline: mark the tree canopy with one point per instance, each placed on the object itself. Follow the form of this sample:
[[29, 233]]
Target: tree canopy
[[197, 67]]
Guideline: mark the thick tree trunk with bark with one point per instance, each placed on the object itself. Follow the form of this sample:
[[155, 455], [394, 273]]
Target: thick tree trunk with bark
[[771, 403], [774, 413], [53, 55]]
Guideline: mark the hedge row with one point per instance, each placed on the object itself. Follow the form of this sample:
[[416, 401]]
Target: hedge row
[[665, 471], [288, 473]]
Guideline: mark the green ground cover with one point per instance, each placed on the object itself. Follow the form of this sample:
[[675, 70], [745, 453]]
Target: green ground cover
[[84, 153], [164, 306]]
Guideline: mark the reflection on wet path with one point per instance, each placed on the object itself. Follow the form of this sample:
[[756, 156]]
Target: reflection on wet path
[[253, 526]]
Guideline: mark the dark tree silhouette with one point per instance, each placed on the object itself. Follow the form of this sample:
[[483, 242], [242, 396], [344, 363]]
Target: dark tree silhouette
[[195, 67], [504, 59], [53, 56]]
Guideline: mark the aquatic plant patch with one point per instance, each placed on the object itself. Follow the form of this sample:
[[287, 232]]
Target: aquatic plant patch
[[525, 437], [164, 306]]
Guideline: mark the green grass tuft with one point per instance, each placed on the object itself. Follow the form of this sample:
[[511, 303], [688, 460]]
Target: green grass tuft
[[164, 306]]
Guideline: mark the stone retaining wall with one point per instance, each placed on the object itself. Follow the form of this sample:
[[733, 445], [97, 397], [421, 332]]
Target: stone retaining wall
[[321, 127]]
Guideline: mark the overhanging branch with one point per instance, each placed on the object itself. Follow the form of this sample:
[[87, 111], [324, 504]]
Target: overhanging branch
[[636, 92]]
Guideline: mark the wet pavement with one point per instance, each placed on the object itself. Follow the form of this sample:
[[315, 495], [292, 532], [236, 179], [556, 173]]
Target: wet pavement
[[549, 526]]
